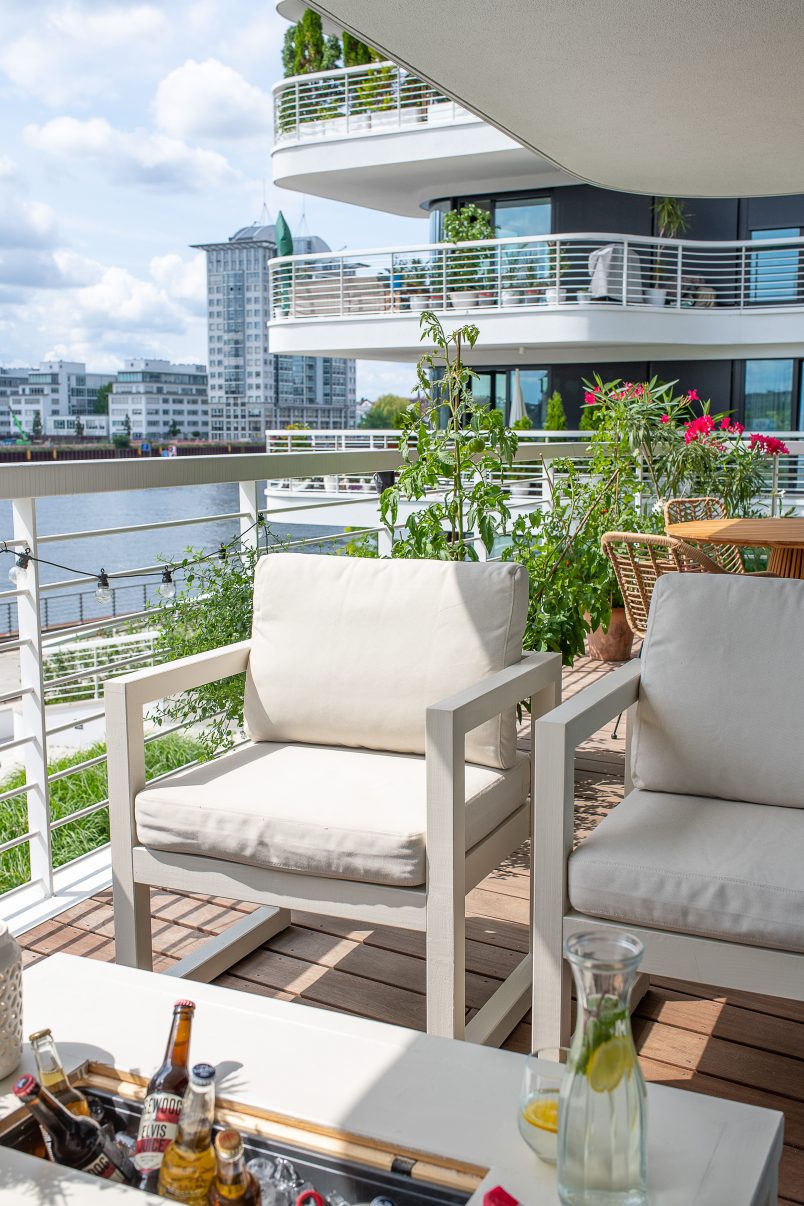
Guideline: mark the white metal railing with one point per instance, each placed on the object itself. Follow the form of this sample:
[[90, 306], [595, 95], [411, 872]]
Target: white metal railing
[[376, 97], [68, 659], [550, 271]]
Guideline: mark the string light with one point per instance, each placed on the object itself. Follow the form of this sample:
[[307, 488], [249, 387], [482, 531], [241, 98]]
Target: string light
[[17, 575], [103, 591], [167, 587]]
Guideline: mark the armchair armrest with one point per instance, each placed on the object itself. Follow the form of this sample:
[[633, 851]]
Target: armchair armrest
[[587, 711], [144, 686], [465, 710]]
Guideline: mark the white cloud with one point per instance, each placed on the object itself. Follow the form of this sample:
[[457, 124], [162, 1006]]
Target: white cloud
[[183, 280], [73, 51], [23, 223], [375, 377], [210, 101], [132, 157]]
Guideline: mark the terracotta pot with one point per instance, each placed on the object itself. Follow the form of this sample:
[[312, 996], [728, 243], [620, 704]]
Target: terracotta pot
[[614, 645]]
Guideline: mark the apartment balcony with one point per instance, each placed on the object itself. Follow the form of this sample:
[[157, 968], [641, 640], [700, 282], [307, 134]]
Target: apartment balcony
[[567, 298], [376, 136]]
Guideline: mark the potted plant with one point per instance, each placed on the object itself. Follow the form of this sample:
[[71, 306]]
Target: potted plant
[[411, 100], [671, 221], [555, 293], [511, 282], [416, 285], [467, 270]]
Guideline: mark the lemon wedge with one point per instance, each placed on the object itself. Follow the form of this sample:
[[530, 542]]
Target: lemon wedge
[[542, 1113], [609, 1063]]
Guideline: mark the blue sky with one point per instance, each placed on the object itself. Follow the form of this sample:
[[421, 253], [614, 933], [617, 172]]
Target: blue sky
[[127, 132]]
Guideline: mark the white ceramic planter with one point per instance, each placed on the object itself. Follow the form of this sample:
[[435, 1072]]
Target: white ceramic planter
[[419, 302], [512, 297], [358, 122], [463, 299], [583, 298], [655, 297], [552, 297], [384, 119], [10, 1002]]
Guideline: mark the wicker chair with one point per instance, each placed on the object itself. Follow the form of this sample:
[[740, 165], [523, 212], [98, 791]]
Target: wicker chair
[[640, 559], [687, 510]]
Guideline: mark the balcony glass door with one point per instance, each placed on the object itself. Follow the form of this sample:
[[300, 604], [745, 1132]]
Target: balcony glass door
[[769, 394], [775, 274]]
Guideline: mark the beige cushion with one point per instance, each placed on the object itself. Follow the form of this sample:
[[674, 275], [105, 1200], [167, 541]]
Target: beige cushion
[[352, 651], [330, 811], [694, 865], [722, 691]]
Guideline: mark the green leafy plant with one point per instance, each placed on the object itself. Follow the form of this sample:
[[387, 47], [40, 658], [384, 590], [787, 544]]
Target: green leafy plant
[[415, 276], [468, 270], [386, 413], [672, 220], [463, 458], [555, 418]]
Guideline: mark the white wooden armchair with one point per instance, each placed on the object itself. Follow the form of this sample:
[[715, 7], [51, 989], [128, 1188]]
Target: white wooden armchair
[[381, 781], [702, 859]]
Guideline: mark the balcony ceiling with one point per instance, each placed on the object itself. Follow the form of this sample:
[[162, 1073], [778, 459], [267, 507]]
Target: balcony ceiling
[[684, 99]]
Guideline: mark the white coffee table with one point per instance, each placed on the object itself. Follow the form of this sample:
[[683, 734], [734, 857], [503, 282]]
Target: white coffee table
[[449, 1098]]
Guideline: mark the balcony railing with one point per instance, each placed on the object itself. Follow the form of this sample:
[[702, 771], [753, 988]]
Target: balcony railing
[[378, 98], [541, 272]]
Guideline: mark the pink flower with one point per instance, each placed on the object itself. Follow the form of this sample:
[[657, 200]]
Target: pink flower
[[734, 428], [665, 418], [692, 395], [767, 444], [696, 428], [590, 398]]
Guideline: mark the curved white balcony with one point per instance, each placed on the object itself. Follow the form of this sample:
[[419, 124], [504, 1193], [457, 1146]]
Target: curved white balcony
[[379, 137], [565, 298]]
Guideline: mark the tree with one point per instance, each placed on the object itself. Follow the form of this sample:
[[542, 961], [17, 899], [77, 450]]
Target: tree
[[308, 47], [123, 438], [79, 427], [289, 50], [102, 399], [556, 417], [357, 53], [386, 413], [36, 425], [174, 429]]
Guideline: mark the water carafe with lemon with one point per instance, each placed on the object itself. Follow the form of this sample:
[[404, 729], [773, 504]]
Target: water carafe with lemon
[[602, 1108]]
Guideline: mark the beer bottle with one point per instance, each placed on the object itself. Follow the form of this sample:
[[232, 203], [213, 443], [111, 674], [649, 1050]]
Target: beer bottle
[[233, 1182], [163, 1097], [74, 1140], [188, 1165], [52, 1075]]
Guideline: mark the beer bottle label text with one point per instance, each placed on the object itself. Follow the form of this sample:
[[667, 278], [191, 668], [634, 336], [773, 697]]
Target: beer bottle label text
[[158, 1126], [102, 1166]]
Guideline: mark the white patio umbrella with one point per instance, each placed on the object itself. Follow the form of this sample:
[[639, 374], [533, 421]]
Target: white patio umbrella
[[517, 410]]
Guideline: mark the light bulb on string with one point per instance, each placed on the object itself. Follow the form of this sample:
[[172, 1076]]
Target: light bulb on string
[[222, 552], [167, 587], [103, 591], [17, 575]]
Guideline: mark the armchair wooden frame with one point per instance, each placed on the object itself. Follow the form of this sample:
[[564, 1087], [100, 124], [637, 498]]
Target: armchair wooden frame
[[684, 956], [437, 908]]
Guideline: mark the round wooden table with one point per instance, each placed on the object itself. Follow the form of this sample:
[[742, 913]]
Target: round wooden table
[[784, 538]]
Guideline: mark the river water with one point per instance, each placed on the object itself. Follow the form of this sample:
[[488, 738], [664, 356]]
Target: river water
[[116, 553]]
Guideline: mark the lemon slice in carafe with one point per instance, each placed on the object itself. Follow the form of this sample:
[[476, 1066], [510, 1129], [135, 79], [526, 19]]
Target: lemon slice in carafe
[[608, 1063]]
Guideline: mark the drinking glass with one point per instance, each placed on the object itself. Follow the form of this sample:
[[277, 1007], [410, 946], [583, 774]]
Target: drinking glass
[[537, 1116]]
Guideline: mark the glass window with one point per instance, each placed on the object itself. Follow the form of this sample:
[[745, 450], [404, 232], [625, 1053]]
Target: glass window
[[488, 389], [769, 394], [774, 274], [534, 393], [521, 217]]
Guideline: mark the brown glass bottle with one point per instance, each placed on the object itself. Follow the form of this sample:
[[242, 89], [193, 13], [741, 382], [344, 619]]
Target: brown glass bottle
[[75, 1141], [52, 1075], [164, 1095], [188, 1167], [233, 1182]]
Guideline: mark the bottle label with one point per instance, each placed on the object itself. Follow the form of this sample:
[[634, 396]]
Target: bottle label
[[158, 1126], [102, 1166]]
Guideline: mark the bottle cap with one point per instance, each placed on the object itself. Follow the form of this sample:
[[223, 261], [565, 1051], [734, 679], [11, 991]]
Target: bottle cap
[[39, 1034], [184, 1004], [26, 1086], [203, 1073], [228, 1142]]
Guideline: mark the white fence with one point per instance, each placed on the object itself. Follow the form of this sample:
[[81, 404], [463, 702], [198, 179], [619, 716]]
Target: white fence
[[374, 98], [552, 271]]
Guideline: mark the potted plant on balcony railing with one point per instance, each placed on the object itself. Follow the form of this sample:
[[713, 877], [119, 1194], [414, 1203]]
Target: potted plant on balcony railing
[[467, 271], [412, 93], [555, 291], [512, 280], [671, 221], [416, 281]]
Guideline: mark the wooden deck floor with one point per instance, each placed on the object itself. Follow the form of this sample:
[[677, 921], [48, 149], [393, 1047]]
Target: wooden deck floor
[[736, 1045]]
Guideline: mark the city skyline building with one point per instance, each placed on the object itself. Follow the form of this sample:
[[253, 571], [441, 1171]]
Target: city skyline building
[[54, 394], [160, 399], [250, 388]]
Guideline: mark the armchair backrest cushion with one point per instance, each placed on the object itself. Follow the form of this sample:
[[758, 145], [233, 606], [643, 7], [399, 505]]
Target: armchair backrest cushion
[[721, 696], [351, 651]]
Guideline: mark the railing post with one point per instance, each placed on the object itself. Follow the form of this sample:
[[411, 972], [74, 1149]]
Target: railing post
[[679, 251], [346, 99], [384, 542], [499, 276], [558, 272], [393, 281], [625, 272], [298, 118], [340, 286], [398, 99], [443, 255], [742, 277], [247, 497], [34, 720]]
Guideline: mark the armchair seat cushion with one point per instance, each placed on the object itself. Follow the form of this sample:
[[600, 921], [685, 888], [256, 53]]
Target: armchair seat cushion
[[696, 865], [321, 810]]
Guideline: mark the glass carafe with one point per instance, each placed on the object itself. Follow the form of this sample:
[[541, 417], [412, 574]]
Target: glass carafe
[[602, 1109]]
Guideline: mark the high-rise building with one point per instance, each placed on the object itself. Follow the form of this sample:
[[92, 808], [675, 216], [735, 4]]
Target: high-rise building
[[160, 399], [249, 388]]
